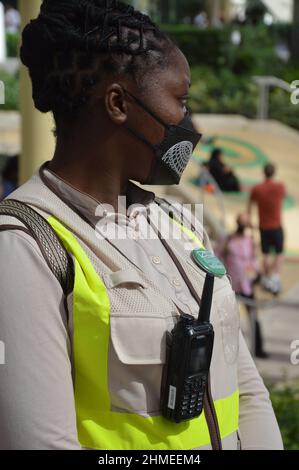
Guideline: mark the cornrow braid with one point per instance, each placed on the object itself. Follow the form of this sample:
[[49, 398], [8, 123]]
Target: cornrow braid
[[74, 44]]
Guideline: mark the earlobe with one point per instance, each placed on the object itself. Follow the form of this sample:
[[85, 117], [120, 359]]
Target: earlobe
[[115, 104]]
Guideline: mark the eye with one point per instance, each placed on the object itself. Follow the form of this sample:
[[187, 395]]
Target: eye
[[185, 104], [187, 110]]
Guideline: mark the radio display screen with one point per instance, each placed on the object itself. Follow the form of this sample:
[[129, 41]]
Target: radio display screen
[[199, 358]]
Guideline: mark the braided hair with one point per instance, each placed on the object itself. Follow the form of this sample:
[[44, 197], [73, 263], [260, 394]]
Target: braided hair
[[74, 44]]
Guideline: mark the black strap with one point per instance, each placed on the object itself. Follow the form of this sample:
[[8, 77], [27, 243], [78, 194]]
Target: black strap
[[173, 212], [55, 254], [209, 408]]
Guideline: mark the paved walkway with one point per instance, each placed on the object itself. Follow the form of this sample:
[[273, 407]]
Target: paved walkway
[[280, 329]]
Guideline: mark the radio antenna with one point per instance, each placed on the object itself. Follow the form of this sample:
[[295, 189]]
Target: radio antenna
[[206, 299]]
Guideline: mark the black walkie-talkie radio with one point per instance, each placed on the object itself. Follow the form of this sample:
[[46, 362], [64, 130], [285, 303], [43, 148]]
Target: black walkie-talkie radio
[[188, 359]]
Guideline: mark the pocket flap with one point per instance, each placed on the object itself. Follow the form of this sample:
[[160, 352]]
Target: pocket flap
[[123, 277], [139, 340]]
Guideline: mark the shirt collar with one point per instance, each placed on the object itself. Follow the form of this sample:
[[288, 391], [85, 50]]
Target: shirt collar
[[138, 198]]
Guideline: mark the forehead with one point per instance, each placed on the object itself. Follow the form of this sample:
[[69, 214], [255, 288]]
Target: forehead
[[176, 76]]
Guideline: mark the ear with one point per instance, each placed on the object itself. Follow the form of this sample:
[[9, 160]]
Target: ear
[[116, 103]]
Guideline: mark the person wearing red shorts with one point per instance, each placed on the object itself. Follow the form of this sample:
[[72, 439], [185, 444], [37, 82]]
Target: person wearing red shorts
[[269, 197]]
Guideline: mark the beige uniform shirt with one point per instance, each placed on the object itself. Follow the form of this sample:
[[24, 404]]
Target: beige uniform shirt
[[37, 407]]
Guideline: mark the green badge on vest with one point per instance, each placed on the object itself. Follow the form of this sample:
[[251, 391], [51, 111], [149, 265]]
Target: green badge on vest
[[209, 262]]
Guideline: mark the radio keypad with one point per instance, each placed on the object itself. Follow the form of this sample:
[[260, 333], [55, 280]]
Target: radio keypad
[[192, 398]]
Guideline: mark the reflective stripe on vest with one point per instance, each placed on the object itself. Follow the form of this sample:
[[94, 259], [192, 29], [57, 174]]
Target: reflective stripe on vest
[[98, 427], [189, 232]]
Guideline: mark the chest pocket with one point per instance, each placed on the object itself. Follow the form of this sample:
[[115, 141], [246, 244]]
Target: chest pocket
[[129, 292], [139, 320]]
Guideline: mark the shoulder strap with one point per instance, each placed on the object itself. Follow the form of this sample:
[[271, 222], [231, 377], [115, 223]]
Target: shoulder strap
[[55, 254]]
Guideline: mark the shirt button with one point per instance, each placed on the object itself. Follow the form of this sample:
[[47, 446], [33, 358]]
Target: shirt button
[[176, 282], [156, 260]]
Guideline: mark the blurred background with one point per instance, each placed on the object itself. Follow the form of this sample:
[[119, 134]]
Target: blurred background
[[244, 59]]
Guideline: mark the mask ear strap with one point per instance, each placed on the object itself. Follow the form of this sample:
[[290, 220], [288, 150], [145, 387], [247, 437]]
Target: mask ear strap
[[154, 115], [157, 118], [140, 137]]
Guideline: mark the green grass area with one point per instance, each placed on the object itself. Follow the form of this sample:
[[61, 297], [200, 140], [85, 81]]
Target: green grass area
[[286, 406]]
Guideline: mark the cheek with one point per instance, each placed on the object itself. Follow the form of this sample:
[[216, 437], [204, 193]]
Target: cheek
[[152, 130], [145, 124], [171, 111]]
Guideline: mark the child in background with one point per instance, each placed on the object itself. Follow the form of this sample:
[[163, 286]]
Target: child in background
[[238, 253]]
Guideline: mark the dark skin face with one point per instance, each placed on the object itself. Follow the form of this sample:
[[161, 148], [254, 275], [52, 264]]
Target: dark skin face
[[100, 156]]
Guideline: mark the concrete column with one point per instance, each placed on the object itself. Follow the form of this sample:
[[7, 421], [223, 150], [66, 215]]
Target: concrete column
[[37, 139], [213, 8], [227, 10], [142, 5]]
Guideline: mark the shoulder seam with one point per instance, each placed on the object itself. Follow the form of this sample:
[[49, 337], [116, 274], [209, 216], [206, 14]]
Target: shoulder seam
[[36, 246], [8, 227]]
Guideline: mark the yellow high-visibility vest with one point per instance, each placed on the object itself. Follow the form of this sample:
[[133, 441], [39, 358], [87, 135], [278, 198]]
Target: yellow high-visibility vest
[[98, 427]]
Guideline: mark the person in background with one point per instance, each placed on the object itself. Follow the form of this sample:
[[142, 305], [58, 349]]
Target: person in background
[[218, 22], [269, 197], [238, 253], [201, 20], [9, 177], [12, 19], [223, 174]]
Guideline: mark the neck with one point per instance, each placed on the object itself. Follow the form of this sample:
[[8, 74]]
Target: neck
[[81, 166]]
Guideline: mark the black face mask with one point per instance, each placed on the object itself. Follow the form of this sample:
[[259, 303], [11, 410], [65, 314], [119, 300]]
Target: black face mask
[[174, 152]]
